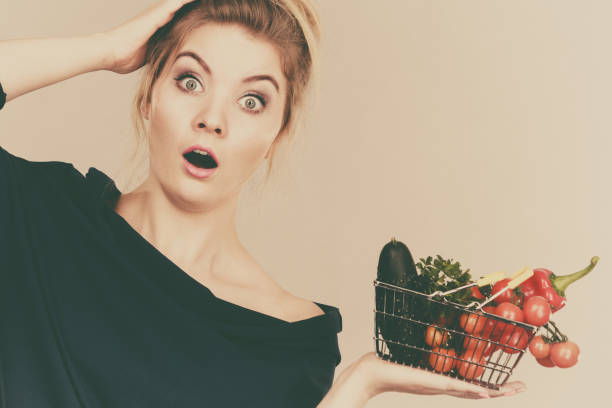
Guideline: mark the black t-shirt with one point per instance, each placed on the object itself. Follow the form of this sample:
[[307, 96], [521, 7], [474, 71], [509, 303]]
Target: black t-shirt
[[93, 315]]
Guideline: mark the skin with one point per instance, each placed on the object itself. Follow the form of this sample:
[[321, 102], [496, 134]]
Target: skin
[[199, 214], [191, 220]]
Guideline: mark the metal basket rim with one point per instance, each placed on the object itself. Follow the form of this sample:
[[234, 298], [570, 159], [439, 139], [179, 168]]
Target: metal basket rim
[[457, 305]]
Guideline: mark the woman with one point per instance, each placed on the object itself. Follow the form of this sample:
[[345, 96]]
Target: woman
[[148, 298]]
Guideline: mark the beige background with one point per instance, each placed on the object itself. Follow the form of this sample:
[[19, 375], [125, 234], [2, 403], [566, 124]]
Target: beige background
[[478, 130]]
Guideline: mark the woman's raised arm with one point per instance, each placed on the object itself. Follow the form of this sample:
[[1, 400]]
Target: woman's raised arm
[[33, 63]]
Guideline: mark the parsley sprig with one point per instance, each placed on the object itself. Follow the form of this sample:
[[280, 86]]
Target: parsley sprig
[[442, 274]]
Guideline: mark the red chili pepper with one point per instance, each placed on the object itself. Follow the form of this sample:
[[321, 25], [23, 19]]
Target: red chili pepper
[[552, 287]]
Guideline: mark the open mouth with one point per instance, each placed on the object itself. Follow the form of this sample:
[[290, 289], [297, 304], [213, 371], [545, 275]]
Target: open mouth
[[200, 159]]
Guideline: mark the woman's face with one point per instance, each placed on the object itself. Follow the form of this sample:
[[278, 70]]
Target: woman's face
[[237, 90]]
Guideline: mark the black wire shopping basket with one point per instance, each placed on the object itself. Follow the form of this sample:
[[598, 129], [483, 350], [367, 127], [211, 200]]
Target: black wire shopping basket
[[440, 336]]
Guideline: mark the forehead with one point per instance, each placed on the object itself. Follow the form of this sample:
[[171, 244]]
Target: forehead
[[231, 50]]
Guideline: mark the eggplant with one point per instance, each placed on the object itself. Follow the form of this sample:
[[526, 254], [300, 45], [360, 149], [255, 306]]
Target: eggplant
[[395, 264], [396, 267]]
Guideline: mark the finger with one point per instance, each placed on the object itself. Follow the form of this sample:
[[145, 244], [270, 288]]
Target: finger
[[470, 391], [461, 389], [161, 12], [507, 389], [397, 377], [512, 388]]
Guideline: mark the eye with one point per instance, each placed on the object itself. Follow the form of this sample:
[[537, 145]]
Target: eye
[[191, 84], [251, 101]]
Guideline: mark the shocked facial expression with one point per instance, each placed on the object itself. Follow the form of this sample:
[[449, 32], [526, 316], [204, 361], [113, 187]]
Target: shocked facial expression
[[224, 91]]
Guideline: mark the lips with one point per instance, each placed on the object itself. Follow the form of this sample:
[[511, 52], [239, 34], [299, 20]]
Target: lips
[[202, 148]]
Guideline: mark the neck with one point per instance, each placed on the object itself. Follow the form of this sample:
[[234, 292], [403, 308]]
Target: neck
[[201, 240]]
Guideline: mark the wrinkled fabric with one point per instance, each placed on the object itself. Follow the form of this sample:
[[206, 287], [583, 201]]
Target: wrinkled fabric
[[93, 315]]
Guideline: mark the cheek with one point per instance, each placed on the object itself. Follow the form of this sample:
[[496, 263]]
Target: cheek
[[255, 150], [250, 153], [164, 121], [251, 137], [163, 114]]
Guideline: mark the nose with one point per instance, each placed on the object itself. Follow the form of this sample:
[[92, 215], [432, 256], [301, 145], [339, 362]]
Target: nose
[[202, 124], [212, 119]]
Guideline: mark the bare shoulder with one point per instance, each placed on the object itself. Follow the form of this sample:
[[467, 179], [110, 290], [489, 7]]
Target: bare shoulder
[[280, 302], [297, 308]]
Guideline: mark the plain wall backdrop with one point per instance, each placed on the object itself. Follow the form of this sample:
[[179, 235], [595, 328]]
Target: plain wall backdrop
[[477, 130]]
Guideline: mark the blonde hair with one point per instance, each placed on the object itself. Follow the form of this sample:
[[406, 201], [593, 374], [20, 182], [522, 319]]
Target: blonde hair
[[291, 26]]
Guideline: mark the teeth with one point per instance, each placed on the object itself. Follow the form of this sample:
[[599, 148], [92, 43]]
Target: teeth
[[199, 151]]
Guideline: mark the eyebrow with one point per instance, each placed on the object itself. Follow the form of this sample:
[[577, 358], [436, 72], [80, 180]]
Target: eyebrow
[[206, 68]]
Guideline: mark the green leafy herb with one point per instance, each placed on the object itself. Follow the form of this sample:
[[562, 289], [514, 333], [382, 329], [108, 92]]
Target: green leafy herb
[[442, 274]]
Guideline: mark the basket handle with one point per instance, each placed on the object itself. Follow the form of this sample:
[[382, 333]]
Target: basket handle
[[520, 277], [490, 279], [516, 279]]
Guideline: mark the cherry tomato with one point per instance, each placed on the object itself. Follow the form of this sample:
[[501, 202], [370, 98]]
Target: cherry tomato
[[539, 348], [475, 346], [546, 361], [514, 338], [564, 354], [476, 293], [434, 337], [472, 323], [528, 288], [471, 367], [497, 328], [537, 311], [507, 296], [490, 309], [490, 323], [444, 319], [510, 311], [443, 362]]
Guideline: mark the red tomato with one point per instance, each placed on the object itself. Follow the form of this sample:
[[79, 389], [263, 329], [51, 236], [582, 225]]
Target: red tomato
[[444, 361], [472, 366], [499, 330], [539, 348], [507, 296], [444, 320], [495, 329], [490, 309], [475, 346], [434, 337], [491, 324], [476, 293], [564, 354], [472, 323], [546, 361], [537, 311], [515, 338], [510, 311]]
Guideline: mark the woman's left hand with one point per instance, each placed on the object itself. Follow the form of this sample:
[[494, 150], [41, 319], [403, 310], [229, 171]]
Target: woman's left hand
[[381, 376], [126, 44]]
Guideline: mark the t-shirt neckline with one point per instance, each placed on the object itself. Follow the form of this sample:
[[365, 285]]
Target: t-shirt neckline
[[108, 194]]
